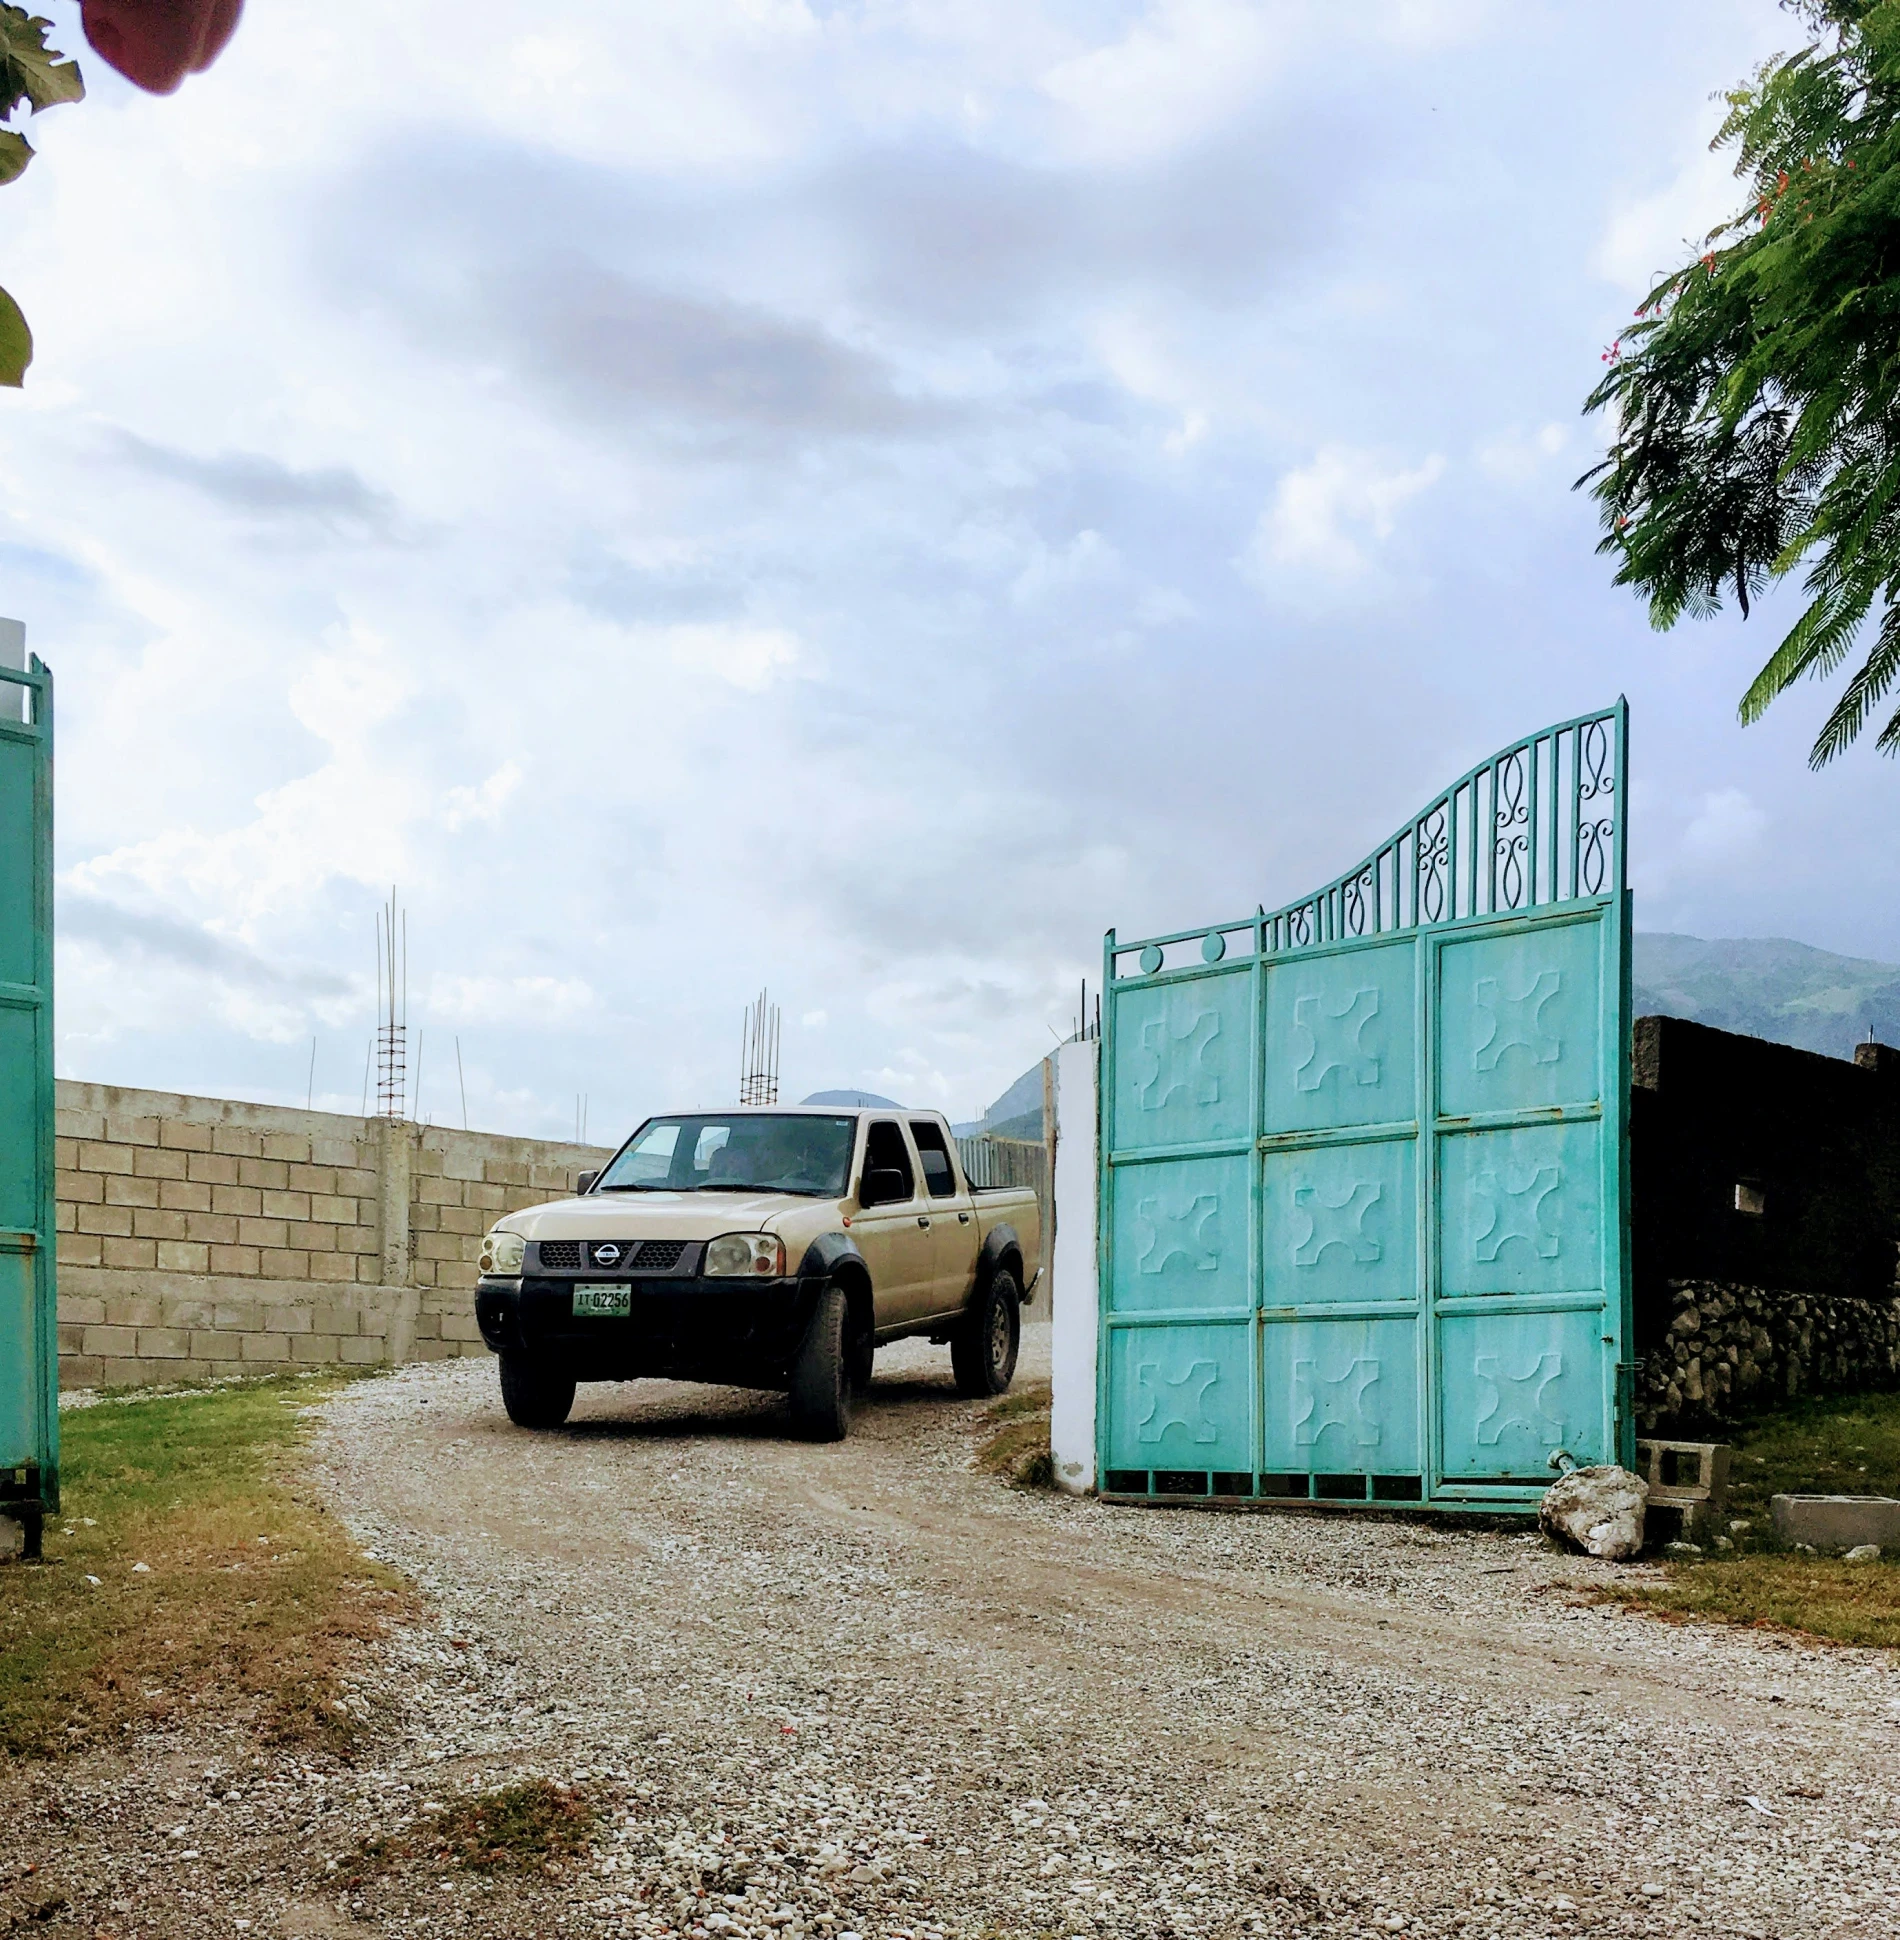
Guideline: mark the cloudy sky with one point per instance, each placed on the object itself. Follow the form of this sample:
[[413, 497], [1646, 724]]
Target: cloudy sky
[[854, 497]]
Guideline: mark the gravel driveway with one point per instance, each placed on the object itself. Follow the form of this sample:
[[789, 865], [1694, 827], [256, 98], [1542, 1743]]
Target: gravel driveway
[[866, 1689]]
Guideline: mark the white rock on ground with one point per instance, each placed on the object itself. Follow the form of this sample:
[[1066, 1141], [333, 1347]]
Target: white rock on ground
[[1597, 1510]]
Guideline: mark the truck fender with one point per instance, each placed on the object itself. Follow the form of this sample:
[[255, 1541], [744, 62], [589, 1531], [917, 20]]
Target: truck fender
[[1002, 1247], [827, 1253]]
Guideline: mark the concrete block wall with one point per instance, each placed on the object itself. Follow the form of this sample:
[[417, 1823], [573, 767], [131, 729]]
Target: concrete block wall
[[204, 1236]]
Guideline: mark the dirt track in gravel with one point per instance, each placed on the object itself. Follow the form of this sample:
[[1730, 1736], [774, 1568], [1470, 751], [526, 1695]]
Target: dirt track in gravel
[[1130, 1720], [866, 1689]]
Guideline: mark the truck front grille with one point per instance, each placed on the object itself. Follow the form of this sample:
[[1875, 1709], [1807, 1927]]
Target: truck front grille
[[652, 1256], [561, 1255], [658, 1255]]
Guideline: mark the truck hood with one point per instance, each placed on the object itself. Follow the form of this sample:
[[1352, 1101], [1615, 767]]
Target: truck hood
[[655, 1215]]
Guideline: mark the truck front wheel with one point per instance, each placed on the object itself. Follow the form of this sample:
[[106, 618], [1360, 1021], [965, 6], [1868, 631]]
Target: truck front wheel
[[534, 1396], [983, 1349], [822, 1370]]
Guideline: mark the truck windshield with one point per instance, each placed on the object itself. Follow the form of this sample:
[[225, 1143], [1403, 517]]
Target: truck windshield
[[736, 1152]]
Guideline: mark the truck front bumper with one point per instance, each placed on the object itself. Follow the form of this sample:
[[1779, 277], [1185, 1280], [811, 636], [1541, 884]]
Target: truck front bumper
[[740, 1331]]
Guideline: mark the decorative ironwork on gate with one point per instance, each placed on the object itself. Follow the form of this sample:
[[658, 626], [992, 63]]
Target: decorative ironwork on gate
[[1363, 1224]]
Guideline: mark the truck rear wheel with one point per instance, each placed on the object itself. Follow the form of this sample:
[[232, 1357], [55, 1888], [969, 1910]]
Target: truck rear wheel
[[821, 1371], [983, 1349], [534, 1396]]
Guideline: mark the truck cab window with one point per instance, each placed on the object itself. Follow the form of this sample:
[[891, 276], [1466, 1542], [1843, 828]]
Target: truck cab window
[[940, 1176], [885, 1151]]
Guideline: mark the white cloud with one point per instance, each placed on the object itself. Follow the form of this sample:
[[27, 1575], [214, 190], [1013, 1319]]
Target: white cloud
[[1726, 827], [1519, 456], [1648, 235], [1323, 514], [746, 657]]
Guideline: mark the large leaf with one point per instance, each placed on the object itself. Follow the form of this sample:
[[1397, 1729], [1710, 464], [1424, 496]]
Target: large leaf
[[15, 152], [16, 343], [31, 71]]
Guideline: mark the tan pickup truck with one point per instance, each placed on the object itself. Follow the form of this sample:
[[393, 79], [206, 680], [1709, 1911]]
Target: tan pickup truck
[[761, 1247]]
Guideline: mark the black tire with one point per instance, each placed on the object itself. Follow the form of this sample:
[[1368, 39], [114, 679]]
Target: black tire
[[860, 1350], [821, 1371], [535, 1397], [984, 1347]]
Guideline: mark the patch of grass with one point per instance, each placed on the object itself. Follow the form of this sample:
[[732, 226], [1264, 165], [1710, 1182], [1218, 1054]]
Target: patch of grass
[[531, 1827], [1018, 1446], [1842, 1445], [248, 1595], [1820, 1596]]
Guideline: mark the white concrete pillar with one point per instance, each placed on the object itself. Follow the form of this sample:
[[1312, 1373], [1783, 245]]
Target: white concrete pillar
[[1075, 1295]]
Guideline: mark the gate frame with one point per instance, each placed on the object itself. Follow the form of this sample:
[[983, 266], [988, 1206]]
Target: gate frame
[[29, 1476], [1321, 923]]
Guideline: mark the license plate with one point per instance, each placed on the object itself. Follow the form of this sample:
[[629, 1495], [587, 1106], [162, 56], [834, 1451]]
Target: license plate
[[610, 1303]]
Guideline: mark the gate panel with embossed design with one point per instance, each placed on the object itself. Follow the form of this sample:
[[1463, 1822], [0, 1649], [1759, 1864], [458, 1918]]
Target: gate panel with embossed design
[[1363, 1225]]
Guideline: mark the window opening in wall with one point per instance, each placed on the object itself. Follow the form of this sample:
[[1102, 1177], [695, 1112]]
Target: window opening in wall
[[1750, 1199]]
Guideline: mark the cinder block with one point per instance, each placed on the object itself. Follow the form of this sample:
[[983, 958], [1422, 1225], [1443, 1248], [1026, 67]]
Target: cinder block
[[438, 1246], [131, 1131], [80, 1249], [314, 1350], [212, 1229], [460, 1326], [333, 1266], [292, 1320], [78, 1124], [313, 1178], [81, 1188], [183, 1195], [214, 1344], [462, 1161], [212, 1168], [65, 1154], [1837, 1521], [281, 1265], [191, 1313], [291, 1146], [154, 1162], [331, 1210], [425, 1163], [357, 1180], [163, 1344], [372, 1323], [308, 1238], [239, 1316], [517, 1172], [183, 1256], [333, 1317], [106, 1219], [134, 1373], [124, 1190], [134, 1310], [154, 1224], [263, 1232], [111, 1340], [334, 1151], [464, 1219], [181, 1135], [271, 1175], [429, 1324], [81, 1371], [266, 1347], [241, 1202], [235, 1142], [70, 1336], [491, 1199], [65, 1216], [82, 1309], [360, 1351], [434, 1350], [239, 1260], [286, 1205], [96, 1157], [132, 1254], [438, 1192]]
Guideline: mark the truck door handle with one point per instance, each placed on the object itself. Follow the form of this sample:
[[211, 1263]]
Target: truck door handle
[[923, 1222], [963, 1219]]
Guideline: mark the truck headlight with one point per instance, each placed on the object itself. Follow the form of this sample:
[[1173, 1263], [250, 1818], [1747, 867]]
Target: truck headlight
[[755, 1255], [502, 1253]]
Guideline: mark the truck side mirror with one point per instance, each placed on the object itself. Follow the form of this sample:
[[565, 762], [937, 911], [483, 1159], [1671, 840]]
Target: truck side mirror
[[882, 1186], [585, 1183]]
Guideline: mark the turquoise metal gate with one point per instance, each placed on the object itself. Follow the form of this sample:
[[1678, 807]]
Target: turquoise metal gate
[[29, 1356], [1364, 1204]]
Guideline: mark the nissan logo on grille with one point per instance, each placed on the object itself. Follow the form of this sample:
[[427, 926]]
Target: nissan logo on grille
[[606, 1255]]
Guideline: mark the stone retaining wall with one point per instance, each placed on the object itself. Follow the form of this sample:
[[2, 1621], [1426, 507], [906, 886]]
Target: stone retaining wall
[[1734, 1350], [203, 1236]]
